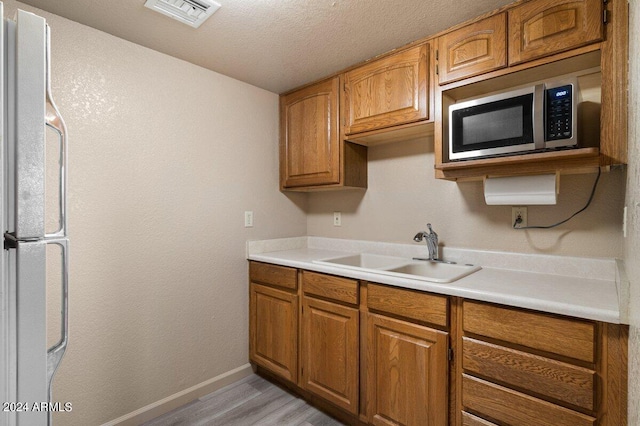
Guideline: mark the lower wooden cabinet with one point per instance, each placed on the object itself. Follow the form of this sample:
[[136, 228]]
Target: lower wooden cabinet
[[273, 318], [329, 352], [381, 355], [407, 367], [521, 367]]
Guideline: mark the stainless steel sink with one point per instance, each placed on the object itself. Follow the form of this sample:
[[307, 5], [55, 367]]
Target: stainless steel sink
[[439, 272]]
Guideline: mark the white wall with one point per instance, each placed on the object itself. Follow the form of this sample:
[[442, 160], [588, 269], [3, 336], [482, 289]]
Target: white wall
[[403, 196], [164, 158], [632, 243]]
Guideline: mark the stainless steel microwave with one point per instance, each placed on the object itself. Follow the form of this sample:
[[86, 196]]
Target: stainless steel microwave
[[534, 118]]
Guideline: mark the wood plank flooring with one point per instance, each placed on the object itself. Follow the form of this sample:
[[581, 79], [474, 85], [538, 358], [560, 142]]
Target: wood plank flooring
[[252, 401]]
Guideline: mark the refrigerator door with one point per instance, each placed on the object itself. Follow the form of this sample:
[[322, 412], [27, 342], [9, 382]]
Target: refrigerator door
[[31, 330], [27, 367], [30, 91]]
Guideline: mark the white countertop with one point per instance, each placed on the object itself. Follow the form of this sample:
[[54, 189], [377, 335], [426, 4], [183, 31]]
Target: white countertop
[[579, 287]]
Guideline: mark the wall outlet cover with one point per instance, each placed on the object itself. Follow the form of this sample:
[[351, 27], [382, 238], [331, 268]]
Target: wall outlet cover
[[519, 212]]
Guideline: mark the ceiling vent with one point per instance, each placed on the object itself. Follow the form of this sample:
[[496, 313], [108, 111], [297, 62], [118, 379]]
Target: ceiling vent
[[190, 12]]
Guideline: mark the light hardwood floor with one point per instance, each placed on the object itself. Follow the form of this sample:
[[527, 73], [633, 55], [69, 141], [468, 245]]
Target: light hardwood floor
[[247, 402]]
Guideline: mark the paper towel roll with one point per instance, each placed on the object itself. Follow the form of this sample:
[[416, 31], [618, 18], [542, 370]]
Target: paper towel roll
[[521, 190]]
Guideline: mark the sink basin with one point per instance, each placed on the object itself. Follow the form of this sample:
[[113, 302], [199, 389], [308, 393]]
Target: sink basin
[[437, 272], [365, 261], [434, 271]]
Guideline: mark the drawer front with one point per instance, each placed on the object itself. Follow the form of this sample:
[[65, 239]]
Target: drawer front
[[555, 379], [280, 276], [471, 420], [562, 336], [330, 287], [410, 304], [514, 408]]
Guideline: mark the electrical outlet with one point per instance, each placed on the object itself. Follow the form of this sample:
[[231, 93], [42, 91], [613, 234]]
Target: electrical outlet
[[521, 213], [337, 219], [248, 219]]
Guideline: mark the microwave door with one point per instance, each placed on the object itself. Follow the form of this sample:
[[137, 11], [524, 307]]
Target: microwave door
[[494, 125]]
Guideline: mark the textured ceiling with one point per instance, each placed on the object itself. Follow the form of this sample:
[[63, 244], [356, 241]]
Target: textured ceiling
[[276, 44]]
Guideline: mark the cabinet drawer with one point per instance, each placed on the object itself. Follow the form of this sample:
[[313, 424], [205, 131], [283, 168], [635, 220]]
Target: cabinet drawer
[[543, 376], [280, 276], [471, 420], [559, 335], [330, 287], [410, 304], [514, 408]]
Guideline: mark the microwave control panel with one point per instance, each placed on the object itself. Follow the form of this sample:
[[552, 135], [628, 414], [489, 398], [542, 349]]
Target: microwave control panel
[[558, 113]]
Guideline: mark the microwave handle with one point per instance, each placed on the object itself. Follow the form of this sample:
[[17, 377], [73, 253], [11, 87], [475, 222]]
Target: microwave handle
[[538, 116]]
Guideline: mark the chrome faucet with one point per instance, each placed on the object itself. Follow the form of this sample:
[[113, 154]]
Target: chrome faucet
[[432, 242]]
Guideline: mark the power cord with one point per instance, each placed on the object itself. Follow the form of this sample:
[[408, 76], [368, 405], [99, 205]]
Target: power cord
[[593, 191]]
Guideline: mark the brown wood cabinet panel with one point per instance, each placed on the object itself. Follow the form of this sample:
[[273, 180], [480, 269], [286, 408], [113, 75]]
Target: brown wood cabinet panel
[[543, 376], [407, 373], [273, 330], [514, 408], [310, 136], [475, 49], [330, 353], [279, 276], [415, 305], [615, 84], [387, 92], [471, 420], [559, 335], [544, 27], [330, 287]]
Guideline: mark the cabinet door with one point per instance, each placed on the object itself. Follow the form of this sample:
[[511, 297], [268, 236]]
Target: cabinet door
[[475, 49], [387, 92], [273, 330], [544, 27], [330, 352], [309, 136], [407, 373]]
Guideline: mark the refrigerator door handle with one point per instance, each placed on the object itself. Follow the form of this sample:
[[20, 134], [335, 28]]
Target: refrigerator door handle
[[55, 353], [55, 121]]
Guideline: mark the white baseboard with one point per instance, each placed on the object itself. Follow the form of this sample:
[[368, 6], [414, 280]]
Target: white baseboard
[[176, 400]]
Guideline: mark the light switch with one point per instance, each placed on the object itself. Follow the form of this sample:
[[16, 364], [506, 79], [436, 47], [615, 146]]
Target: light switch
[[248, 219]]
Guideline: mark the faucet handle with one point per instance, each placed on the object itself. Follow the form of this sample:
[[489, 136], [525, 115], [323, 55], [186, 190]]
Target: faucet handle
[[431, 231]]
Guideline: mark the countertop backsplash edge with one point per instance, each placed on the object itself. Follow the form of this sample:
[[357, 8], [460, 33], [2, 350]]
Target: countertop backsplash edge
[[578, 267]]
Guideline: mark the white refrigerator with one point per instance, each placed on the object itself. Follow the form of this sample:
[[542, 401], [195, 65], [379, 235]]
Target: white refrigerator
[[29, 118]]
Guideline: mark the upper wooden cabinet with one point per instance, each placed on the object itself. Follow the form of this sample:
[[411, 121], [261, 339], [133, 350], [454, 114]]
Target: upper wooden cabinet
[[475, 49], [310, 144], [312, 152], [544, 27], [387, 92]]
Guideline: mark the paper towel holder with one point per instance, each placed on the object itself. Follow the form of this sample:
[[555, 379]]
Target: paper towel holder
[[522, 190]]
